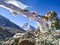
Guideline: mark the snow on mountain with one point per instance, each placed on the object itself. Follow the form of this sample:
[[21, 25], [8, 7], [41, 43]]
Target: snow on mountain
[[28, 27]]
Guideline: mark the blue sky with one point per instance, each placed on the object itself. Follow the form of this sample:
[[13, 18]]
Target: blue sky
[[40, 6]]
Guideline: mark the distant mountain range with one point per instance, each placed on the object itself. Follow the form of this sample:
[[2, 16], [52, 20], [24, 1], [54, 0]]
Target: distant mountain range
[[7, 23], [28, 27]]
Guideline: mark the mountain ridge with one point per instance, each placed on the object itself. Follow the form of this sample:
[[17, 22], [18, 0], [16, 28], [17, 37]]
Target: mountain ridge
[[7, 23]]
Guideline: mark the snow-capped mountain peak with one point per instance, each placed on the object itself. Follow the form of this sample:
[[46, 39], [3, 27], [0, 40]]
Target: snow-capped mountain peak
[[28, 27]]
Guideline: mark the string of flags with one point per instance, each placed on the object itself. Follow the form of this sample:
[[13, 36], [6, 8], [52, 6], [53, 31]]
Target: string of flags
[[48, 22]]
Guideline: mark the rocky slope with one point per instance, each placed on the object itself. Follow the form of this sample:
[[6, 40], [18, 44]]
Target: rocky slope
[[6, 33], [7, 23], [34, 38], [8, 29]]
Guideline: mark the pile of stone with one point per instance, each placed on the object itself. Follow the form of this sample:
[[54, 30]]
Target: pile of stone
[[51, 38], [33, 38]]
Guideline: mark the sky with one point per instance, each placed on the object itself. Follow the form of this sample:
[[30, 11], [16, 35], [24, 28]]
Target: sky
[[40, 6]]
